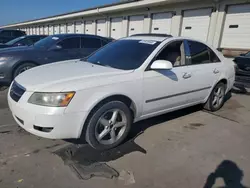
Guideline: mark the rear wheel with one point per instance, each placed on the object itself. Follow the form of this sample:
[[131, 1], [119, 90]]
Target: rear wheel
[[109, 125], [216, 98], [22, 68]]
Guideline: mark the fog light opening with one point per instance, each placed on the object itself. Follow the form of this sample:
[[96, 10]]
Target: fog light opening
[[43, 129]]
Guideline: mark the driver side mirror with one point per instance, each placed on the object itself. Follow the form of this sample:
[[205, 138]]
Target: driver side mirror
[[56, 48], [161, 64]]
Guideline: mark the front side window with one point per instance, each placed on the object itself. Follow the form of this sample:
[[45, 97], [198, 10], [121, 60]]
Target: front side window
[[174, 52], [200, 53], [47, 42], [25, 42], [124, 54], [70, 43], [14, 41], [88, 42]]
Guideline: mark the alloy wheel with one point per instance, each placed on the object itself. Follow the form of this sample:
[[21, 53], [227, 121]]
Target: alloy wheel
[[111, 127], [218, 97], [24, 69]]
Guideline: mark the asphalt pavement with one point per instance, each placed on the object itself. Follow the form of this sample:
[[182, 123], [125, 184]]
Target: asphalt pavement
[[189, 148]]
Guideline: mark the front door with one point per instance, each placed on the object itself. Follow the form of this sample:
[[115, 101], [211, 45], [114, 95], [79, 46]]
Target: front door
[[167, 89], [70, 49]]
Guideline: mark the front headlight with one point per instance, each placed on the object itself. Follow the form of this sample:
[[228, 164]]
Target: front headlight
[[51, 99]]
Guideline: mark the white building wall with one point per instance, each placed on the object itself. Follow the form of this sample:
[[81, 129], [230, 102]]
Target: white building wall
[[213, 36]]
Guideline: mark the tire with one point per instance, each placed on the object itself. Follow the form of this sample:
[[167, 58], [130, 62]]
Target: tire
[[215, 100], [99, 135], [21, 68]]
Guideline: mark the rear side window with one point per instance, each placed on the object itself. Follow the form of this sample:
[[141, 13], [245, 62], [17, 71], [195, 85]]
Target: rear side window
[[70, 43], [17, 33], [88, 42], [5, 33], [200, 53]]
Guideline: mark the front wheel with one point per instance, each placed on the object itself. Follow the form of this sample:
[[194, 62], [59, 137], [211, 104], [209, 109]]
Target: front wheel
[[109, 125], [216, 98], [22, 68]]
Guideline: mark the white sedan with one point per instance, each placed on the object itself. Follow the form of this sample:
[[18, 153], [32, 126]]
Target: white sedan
[[134, 78]]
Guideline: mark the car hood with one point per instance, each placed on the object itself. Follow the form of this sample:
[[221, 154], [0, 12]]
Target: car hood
[[69, 75]]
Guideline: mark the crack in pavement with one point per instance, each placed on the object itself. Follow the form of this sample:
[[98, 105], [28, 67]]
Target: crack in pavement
[[218, 115]]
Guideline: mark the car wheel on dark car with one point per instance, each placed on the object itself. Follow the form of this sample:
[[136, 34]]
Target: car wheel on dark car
[[21, 68], [109, 125]]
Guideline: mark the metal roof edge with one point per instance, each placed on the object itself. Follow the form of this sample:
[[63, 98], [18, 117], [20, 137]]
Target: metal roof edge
[[94, 10]]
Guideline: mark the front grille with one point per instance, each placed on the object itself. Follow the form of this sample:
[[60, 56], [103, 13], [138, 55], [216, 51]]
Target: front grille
[[16, 91]]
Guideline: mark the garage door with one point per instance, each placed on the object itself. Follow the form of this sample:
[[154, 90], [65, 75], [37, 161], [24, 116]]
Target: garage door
[[46, 30], [161, 23], [62, 28], [37, 30], [51, 30], [79, 27], [89, 27], [116, 28], [70, 28], [236, 32], [33, 30], [41, 30], [135, 25], [28, 31], [196, 23], [101, 28], [56, 29]]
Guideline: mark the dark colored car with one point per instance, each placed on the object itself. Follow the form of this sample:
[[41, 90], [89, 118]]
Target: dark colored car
[[23, 41], [7, 35], [243, 64], [14, 61]]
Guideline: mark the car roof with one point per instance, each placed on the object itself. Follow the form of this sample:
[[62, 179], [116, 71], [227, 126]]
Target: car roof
[[75, 35], [160, 38], [11, 30], [36, 36], [149, 36]]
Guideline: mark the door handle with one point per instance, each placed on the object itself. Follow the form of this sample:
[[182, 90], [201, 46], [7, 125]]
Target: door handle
[[216, 71], [186, 75]]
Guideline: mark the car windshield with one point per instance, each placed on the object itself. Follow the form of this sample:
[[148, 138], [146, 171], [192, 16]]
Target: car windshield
[[247, 54], [124, 54], [15, 40], [47, 42]]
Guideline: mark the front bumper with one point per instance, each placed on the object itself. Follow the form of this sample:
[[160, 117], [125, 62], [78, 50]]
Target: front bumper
[[5, 75], [53, 122]]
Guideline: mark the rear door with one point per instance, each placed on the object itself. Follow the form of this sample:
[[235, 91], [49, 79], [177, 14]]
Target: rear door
[[90, 45], [204, 67]]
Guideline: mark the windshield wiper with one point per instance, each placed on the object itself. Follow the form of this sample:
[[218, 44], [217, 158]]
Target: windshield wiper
[[83, 59], [98, 63]]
